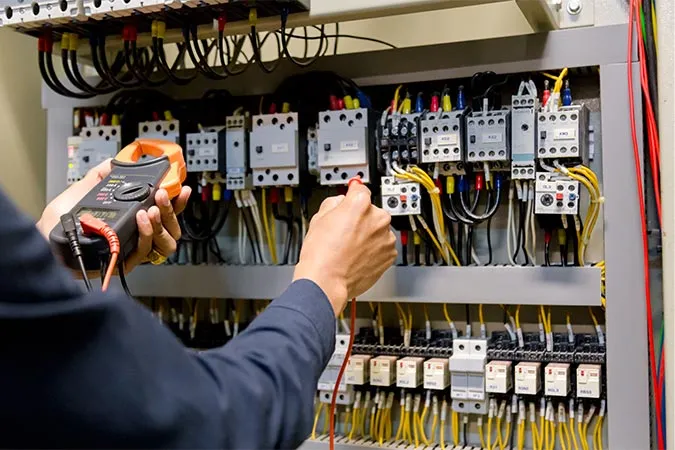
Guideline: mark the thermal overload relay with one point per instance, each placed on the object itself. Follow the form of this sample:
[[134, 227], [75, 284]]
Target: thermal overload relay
[[401, 197]]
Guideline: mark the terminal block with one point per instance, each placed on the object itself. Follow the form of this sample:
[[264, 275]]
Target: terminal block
[[488, 136], [442, 137], [206, 150], [167, 130], [344, 148], [237, 174], [275, 150], [523, 136], [345, 397], [467, 375], [95, 145], [398, 140], [401, 197], [556, 194], [563, 134]]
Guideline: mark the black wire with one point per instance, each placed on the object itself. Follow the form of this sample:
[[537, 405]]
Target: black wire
[[102, 57], [226, 65], [77, 78], [467, 311], [469, 245], [253, 238], [522, 231], [460, 243], [285, 39], [417, 251], [123, 279], [345, 36], [45, 59], [158, 49], [464, 435], [256, 45], [83, 270], [489, 241], [404, 254]]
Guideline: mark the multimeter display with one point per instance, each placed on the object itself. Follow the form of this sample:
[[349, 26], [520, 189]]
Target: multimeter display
[[99, 213]]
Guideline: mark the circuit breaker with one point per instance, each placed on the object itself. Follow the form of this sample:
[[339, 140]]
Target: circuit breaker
[[100, 9], [206, 150], [401, 197], [498, 377], [441, 137], [488, 136], [36, 13], [398, 140], [95, 145], [528, 378], [467, 375], [343, 146], [563, 133], [383, 370], [436, 374], [556, 194], [167, 130], [557, 379], [589, 381], [329, 376], [523, 136], [237, 176], [275, 150], [409, 372], [358, 370]]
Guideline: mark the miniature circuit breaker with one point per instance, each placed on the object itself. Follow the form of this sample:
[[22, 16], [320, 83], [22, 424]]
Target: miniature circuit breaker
[[237, 176], [100, 9], [557, 379], [436, 374], [556, 194], [589, 381], [206, 150], [33, 14], [528, 378], [344, 149], [523, 135], [401, 197], [329, 376], [398, 140], [94, 145], [563, 133], [383, 371], [467, 375], [488, 136], [442, 137], [409, 372], [498, 377], [275, 150], [358, 370], [167, 130]]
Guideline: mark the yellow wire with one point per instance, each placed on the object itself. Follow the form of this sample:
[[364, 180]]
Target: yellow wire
[[593, 318], [552, 435], [561, 436], [426, 312], [541, 433], [407, 435], [401, 315], [399, 430], [434, 425], [380, 431], [573, 433], [521, 435], [489, 434], [372, 425], [582, 441], [599, 432], [498, 441], [409, 318], [416, 418], [482, 436], [518, 316], [446, 314], [316, 420], [421, 424], [566, 431], [507, 438], [396, 97], [355, 423], [480, 315], [455, 428], [266, 225], [442, 438], [545, 431]]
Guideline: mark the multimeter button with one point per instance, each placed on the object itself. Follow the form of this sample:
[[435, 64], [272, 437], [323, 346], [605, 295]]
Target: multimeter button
[[132, 192]]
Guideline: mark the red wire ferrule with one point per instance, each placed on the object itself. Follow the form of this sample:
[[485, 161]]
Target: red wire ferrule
[[274, 196], [479, 181], [434, 104], [273, 109], [333, 103], [404, 238], [222, 20], [439, 186], [206, 193], [340, 104]]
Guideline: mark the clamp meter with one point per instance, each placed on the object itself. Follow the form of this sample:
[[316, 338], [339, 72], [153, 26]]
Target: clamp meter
[[138, 171]]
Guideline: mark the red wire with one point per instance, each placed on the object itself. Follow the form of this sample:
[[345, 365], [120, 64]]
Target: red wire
[[352, 326], [643, 224]]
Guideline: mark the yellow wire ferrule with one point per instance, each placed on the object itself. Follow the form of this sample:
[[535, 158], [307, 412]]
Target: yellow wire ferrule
[[253, 16], [74, 42], [65, 41], [288, 194], [168, 115], [161, 29], [153, 29]]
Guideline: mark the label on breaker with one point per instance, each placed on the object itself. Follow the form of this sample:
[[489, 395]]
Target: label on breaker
[[446, 139], [564, 134], [348, 146], [492, 138], [279, 148], [207, 151]]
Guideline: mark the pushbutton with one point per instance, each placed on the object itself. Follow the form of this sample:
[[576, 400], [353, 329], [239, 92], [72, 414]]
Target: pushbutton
[[191, 153], [132, 192], [85, 159], [559, 196]]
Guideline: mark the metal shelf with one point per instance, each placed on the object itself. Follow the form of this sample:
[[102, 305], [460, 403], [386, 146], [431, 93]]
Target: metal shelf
[[569, 286]]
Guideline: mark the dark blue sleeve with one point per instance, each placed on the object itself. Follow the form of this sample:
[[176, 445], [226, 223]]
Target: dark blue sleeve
[[98, 370]]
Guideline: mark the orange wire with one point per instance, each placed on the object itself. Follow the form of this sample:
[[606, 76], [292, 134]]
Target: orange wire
[[352, 326], [109, 272]]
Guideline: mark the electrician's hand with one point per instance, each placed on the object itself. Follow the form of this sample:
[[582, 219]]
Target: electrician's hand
[[348, 246], [158, 228]]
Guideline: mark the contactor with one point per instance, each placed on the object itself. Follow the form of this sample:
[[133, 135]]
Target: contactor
[[275, 150], [556, 194], [95, 145], [488, 136], [563, 133], [237, 176], [166, 130], [206, 150], [442, 137]]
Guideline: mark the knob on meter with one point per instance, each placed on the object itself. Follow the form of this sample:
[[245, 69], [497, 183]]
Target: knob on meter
[[138, 171]]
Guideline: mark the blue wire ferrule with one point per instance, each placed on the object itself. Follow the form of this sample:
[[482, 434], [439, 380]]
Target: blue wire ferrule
[[498, 181], [461, 101], [462, 184], [419, 103], [364, 100], [227, 195], [566, 97]]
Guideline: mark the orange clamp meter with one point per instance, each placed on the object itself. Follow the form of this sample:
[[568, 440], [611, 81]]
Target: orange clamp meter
[[138, 171]]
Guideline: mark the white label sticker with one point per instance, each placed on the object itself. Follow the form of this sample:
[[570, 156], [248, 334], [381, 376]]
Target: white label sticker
[[447, 139], [348, 146], [280, 148], [208, 151], [492, 138], [564, 134]]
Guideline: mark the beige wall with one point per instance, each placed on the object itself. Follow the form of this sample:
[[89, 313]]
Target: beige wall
[[24, 128]]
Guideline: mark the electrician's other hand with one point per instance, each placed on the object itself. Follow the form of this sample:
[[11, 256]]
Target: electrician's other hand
[[157, 228], [348, 247]]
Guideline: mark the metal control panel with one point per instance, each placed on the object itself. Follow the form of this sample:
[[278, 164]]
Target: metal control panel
[[237, 174], [488, 136], [523, 134], [95, 145], [343, 146], [556, 194], [563, 133], [401, 197], [206, 150], [275, 150], [167, 130], [442, 137]]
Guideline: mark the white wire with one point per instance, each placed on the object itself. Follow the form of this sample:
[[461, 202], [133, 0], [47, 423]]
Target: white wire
[[528, 219], [255, 213], [533, 227], [474, 256]]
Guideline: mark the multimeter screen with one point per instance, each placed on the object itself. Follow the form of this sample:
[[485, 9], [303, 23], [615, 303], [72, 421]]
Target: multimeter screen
[[99, 213]]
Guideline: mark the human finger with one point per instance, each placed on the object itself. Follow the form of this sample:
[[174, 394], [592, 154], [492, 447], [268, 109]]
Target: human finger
[[162, 241], [144, 245], [167, 214], [180, 202]]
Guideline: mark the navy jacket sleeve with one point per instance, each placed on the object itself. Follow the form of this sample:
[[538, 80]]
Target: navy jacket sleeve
[[98, 370]]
